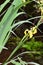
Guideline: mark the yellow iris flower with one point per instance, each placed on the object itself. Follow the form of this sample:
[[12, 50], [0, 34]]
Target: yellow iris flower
[[30, 32]]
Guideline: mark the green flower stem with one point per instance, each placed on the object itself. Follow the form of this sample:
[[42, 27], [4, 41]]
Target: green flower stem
[[41, 8], [19, 45]]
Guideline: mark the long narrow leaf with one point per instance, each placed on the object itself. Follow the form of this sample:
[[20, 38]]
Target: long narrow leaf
[[3, 5]]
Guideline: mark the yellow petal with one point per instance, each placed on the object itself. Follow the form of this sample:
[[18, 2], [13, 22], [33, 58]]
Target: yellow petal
[[34, 30], [26, 31], [30, 34]]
